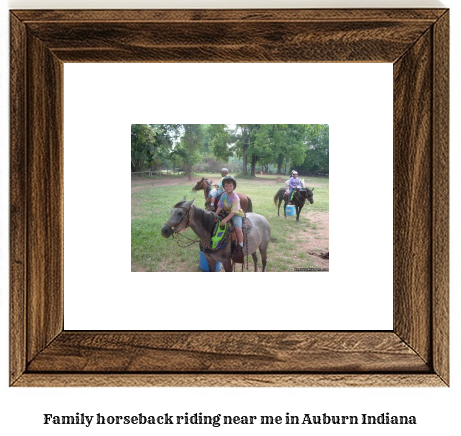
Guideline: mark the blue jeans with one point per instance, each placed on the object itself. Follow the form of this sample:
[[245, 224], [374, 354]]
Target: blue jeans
[[215, 192], [237, 221]]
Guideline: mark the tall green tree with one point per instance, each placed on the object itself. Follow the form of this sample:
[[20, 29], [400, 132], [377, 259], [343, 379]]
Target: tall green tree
[[187, 152], [142, 140], [220, 141], [317, 159], [151, 144], [272, 144], [242, 142], [291, 144]]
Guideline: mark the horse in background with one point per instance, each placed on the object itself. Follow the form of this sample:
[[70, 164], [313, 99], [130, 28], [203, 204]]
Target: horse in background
[[299, 199], [245, 202]]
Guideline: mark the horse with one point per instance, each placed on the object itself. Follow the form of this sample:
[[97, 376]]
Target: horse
[[185, 214], [299, 198], [245, 202]]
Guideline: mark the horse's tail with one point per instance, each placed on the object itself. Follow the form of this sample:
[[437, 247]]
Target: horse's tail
[[276, 199], [250, 205]]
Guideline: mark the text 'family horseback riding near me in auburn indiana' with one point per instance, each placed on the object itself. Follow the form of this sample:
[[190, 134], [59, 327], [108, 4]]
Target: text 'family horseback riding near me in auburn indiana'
[[222, 419]]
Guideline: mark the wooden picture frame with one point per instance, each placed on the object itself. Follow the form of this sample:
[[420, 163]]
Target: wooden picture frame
[[414, 353]]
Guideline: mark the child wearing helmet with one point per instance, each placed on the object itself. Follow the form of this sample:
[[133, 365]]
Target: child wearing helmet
[[219, 190], [230, 203], [293, 183]]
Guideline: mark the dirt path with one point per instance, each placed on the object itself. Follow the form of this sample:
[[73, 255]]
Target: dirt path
[[317, 240], [137, 184]]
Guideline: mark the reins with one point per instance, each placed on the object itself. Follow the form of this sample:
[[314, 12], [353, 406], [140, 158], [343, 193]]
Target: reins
[[178, 233], [301, 198]]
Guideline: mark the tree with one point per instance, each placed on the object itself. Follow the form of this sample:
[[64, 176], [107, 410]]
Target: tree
[[142, 139], [220, 140], [291, 148], [272, 144], [187, 152], [244, 136], [317, 159], [151, 144]]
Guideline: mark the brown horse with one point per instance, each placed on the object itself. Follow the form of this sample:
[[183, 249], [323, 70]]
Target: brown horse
[[245, 202]]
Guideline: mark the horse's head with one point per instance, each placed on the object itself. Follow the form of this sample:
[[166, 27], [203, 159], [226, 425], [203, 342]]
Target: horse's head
[[307, 194], [198, 185], [179, 219]]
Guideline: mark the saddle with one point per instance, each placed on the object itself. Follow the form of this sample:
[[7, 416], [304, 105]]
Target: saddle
[[221, 236], [296, 190], [237, 251]]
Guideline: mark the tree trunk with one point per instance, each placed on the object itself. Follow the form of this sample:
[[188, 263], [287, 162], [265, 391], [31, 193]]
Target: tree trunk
[[253, 166], [279, 166]]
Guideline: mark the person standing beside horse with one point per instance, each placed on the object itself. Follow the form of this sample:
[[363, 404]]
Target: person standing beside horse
[[293, 184], [219, 190], [230, 203]]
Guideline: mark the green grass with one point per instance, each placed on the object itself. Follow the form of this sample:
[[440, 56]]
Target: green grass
[[151, 208]]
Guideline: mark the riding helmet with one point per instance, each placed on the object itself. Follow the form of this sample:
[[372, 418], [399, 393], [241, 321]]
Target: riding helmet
[[224, 170], [294, 172], [229, 179]]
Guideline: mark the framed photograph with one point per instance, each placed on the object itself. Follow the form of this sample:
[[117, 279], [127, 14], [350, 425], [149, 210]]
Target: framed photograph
[[415, 352]]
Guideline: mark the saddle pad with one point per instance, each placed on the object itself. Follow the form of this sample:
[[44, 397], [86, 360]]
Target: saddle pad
[[219, 236]]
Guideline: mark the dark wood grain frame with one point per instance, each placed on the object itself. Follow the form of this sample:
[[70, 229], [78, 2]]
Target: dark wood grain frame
[[414, 353]]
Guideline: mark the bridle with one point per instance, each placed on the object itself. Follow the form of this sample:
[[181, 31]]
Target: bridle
[[174, 227], [301, 197], [177, 231]]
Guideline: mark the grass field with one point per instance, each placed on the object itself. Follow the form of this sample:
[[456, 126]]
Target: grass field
[[153, 198]]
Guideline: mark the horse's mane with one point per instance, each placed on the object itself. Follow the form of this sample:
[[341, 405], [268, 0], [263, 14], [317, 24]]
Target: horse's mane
[[207, 218]]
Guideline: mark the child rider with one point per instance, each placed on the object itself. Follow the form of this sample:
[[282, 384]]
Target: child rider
[[219, 189], [230, 203], [293, 183]]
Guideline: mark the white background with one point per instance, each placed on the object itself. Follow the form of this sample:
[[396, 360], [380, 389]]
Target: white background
[[101, 103], [436, 409]]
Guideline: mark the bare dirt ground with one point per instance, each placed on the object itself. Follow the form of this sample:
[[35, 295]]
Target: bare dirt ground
[[141, 183], [137, 184], [316, 241]]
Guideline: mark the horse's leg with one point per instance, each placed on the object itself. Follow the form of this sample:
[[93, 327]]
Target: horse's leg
[[285, 208], [255, 260], [227, 265], [263, 251], [212, 265]]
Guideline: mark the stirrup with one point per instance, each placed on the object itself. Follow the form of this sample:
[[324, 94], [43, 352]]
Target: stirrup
[[237, 254]]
